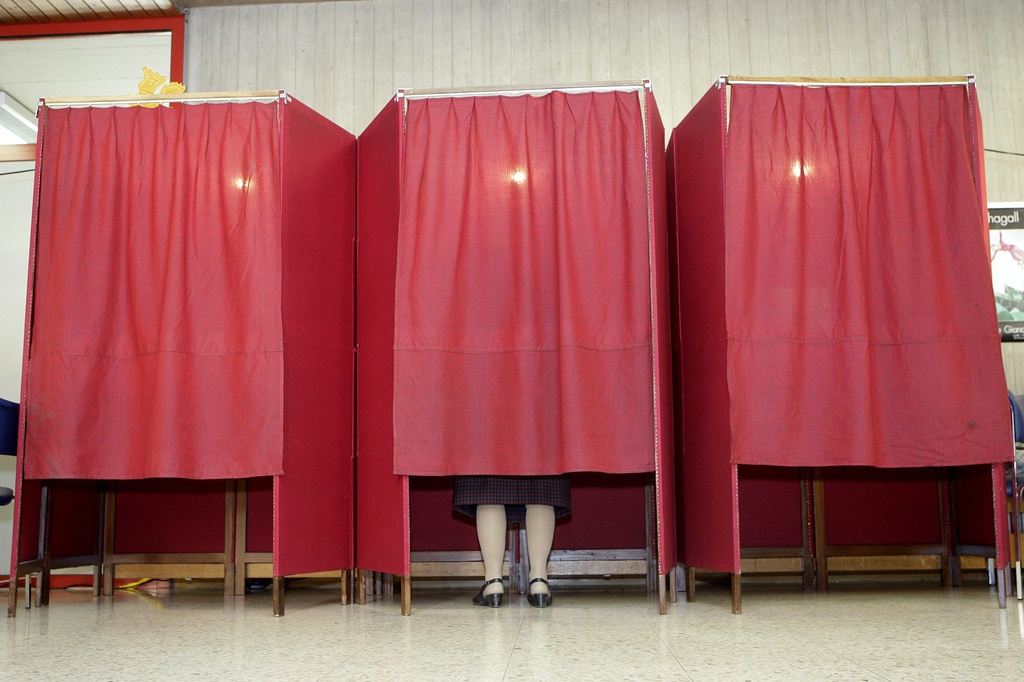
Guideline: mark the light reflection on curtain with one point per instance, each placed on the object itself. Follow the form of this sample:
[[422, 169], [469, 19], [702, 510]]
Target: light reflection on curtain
[[860, 312], [156, 341], [523, 307]]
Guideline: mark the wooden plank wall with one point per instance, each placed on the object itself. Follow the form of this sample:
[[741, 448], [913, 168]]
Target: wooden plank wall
[[346, 59]]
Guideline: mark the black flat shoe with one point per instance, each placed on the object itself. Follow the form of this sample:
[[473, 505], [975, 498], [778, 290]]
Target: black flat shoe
[[542, 599], [492, 600]]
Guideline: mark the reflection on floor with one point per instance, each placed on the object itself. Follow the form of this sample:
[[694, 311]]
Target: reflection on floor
[[878, 629]]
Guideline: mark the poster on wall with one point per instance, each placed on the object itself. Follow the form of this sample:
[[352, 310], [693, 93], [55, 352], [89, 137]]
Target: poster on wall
[[1006, 253]]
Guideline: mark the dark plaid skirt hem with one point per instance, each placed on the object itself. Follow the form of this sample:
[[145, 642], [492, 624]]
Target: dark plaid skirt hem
[[515, 492]]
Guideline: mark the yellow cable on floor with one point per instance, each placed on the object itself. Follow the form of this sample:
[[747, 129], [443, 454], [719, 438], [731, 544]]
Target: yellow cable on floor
[[134, 584]]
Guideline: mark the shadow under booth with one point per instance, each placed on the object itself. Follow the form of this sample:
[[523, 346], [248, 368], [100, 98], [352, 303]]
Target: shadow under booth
[[189, 359], [513, 319], [839, 350]]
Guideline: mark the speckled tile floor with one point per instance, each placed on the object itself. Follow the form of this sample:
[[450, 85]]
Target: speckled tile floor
[[867, 630]]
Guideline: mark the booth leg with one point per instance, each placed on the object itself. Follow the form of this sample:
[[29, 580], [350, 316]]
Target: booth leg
[[662, 594], [346, 582], [406, 595], [360, 587], [45, 525], [1001, 586], [807, 528], [230, 573], [108, 583], [691, 584], [12, 596], [820, 543], [737, 597], [240, 495], [949, 564], [109, 501], [278, 595], [673, 586]]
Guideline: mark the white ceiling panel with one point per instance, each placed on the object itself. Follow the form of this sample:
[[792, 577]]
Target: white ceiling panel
[[80, 66]]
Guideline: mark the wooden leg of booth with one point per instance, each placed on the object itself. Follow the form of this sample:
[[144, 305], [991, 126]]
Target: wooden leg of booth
[[950, 576], [360, 587], [346, 581], [691, 584], [230, 570], [109, 497], [42, 589], [518, 560], [101, 542], [673, 586], [662, 594], [12, 596], [239, 517], [278, 581], [406, 595], [807, 528], [818, 522], [107, 588], [737, 596], [45, 526]]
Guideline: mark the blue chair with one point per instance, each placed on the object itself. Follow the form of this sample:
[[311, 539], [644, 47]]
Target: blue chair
[[1013, 482], [8, 440]]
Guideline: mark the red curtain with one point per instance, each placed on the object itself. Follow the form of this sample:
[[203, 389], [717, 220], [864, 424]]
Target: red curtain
[[382, 505], [156, 331], [860, 316], [523, 340]]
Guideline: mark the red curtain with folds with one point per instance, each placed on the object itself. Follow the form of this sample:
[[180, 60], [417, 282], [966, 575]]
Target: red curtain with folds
[[156, 328], [523, 323], [860, 316]]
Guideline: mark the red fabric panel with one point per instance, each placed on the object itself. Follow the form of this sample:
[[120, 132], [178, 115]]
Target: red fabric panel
[[434, 525], [27, 493], [259, 515], [382, 505], [977, 149], [74, 519], [167, 515], [608, 512], [972, 508], [860, 315], [27, 510], [315, 496], [710, 518], [869, 506], [999, 506], [769, 506], [523, 340], [156, 345], [674, 331], [665, 498]]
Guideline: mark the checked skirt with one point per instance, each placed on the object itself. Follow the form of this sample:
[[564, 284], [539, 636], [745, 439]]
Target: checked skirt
[[515, 492]]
